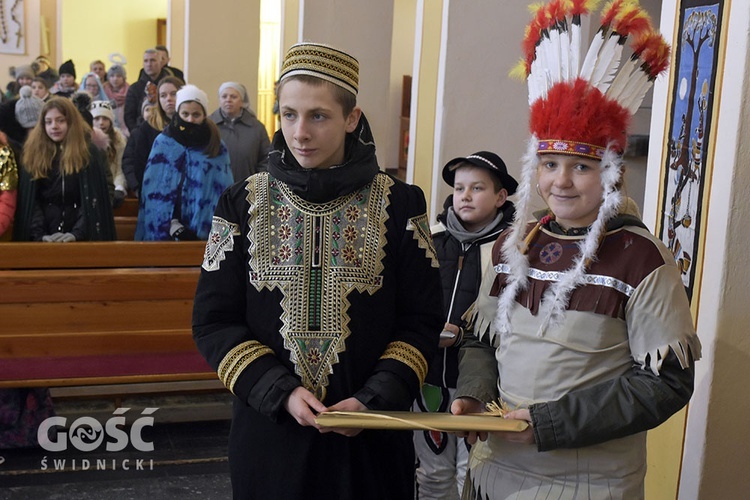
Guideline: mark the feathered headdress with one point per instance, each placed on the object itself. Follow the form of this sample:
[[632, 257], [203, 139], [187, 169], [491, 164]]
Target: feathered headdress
[[579, 106]]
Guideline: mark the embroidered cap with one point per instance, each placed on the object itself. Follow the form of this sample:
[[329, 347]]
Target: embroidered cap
[[322, 61], [483, 159]]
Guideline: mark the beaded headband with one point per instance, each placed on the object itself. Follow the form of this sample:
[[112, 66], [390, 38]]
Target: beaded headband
[[322, 61]]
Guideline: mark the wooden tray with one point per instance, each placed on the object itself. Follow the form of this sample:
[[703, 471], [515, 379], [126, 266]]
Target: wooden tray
[[406, 420]]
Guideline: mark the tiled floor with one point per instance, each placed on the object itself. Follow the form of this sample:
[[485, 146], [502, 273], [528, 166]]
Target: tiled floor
[[189, 461]]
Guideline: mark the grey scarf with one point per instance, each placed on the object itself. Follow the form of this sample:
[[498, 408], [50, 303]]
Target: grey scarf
[[458, 231]]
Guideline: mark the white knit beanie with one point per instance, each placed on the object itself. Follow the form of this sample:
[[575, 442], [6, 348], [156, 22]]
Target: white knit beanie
[[28, 108], [192, 93], [102, 108]]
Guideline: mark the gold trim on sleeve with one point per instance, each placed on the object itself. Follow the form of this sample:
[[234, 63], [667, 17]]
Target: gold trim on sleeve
[[420, 226], [238, 359], [408, 355]]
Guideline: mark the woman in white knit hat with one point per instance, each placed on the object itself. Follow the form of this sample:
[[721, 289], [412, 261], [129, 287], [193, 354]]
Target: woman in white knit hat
[[104, 120], [246, 137], [187, 171]]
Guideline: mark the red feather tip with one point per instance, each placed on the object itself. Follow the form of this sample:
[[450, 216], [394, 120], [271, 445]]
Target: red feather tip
[[632, 21], [556, 12], [610, 11], [528, 45], [580, 7], [654, 52], [533, 35], [543, 18]]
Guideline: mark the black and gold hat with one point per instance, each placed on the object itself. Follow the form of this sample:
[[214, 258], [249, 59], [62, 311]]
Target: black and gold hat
[[322, 61]]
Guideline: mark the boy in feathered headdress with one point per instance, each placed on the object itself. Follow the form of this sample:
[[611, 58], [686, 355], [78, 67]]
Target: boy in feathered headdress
[[584, 327]]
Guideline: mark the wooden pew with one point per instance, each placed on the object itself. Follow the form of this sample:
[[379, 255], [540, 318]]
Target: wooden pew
[[126, 217], [88, 314]]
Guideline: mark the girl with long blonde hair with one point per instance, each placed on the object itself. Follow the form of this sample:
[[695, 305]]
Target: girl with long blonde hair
[[63, 187]]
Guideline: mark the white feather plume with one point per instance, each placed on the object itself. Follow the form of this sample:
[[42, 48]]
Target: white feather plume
[[566, 73], [635, 100], [555, 67], [622, 80], [575, 49], [607, 63], [551, 54], [538, 85], [592, 55], [511, 251]]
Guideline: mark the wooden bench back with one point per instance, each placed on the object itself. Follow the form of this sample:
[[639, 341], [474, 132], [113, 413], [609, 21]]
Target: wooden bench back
[[96, 313], [126, 218]]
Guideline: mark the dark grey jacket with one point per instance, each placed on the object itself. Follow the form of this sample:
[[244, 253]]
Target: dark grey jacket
[[247, 141]]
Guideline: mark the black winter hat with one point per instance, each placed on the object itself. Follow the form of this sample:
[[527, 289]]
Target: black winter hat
[[68, 67], [484, 159]]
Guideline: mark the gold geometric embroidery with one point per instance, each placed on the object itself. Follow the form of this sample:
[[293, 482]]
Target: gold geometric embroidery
[[408, 355], [421, 227], [238, 359], [8, 169], [316, 254], [220, 241]]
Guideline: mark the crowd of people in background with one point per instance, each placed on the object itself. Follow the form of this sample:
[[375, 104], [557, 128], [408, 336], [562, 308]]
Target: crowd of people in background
[[72, 150], [122, 129]]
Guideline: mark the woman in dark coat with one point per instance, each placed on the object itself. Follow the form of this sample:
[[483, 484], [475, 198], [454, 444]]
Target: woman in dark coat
[[63, 191]]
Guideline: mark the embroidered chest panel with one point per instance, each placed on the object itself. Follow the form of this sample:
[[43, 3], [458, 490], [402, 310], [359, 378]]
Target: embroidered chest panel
[[316, 255]]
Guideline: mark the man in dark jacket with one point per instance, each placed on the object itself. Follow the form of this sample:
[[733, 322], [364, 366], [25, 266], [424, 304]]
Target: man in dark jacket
[[153, 71]]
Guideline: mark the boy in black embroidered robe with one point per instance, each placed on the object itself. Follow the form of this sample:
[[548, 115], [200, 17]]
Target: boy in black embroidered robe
[[318, 293]]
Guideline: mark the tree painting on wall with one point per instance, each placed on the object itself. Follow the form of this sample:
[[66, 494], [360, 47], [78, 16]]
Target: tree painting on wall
[[689, 148], [12, 32]]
